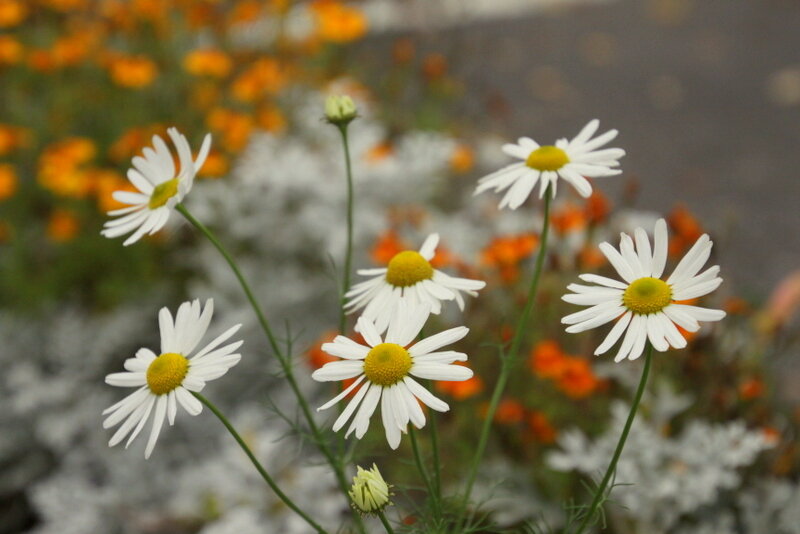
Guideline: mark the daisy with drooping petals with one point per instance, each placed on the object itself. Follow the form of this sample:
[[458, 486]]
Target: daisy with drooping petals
[[645, 305], [159, 187], [409, 276], [383, 372], [572, 161], [166, 380]]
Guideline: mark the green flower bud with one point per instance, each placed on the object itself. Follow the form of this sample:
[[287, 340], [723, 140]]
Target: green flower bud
[[340, 109], [369, 493]]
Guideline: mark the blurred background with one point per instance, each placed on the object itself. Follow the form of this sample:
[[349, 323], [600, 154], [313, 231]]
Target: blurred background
[[705, 94]]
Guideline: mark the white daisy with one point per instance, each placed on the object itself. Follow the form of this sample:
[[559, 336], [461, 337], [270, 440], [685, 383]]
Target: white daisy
[[383, 372], [160, 188], [166, 380], [409, 276], [571, 160], [644, 304]]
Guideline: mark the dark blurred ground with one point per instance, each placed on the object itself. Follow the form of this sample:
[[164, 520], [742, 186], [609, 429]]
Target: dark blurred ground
[[705, 93]]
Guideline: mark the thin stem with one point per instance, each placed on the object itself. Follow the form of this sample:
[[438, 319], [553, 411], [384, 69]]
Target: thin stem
[[385, 522], [283, 359], [510, 358], [245, 286], [437, 468], [600, 494], [348, 257], [260, 468], [421, 468]]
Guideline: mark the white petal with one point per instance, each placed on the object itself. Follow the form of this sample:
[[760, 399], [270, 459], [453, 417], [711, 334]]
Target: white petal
[[614, 334], [643, 251], [437, 341], [367, 329], [158, 421], [438, 371], [656, 334], [341, 370], [425, 396], [660, 246], [428, 248], [603, 281], [343, 394], [350, 408], [126, 380], [619, 263]]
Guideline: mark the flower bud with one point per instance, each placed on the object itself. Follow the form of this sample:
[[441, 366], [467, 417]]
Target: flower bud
[[369, 493], [340, 109]]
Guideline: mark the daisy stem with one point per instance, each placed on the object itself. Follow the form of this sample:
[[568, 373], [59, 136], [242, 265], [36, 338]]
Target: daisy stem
[[385, 522], [348, 257], [437, 476], [600, 494], [284, 361], [422, 471], [510, 357], [245, 286], [260, 468]]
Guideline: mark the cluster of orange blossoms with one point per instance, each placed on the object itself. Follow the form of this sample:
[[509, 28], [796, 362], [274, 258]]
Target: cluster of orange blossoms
[[506, 253], [572, 375], [511, 412]]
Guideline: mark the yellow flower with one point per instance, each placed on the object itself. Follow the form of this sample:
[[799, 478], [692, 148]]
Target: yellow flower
[[209, 62], [134, 72], [12, 12], [338, 23], [63, 226], [8, 181], [369, 493]]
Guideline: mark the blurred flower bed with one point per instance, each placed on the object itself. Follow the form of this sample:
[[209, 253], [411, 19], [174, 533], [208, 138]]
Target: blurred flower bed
[[85, 85]]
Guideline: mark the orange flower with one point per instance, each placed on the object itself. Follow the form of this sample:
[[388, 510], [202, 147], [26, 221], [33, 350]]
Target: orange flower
[[105, 182], [434, 66], [264, 76], [5, 231], [597, 207], [66, 5], [388, 245], [271, 119], [133, 72], [461, 390], [591, 258], [379, 152], [509, 412], [403, 50], [12, 138], [686, 229], [8, 181], [61, 167], [736, 306], [462, 159], [234, 127], [74, 48], [540, 427], [63, 226], [41, 60], [246, 11], [12, 12], [547, 360], [751, 388], [131, 142], [338, 23], [506, 252], [216, 165], [568, 218], [208, 62], [11, 50], [577, 379]]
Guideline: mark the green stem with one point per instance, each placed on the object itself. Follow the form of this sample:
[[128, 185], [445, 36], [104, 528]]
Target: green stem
[[385, 522], [282, 359], [437, 476], [600, 493], [422, 471], [348, 257], [260, 468], [245, 286], [510, 358]]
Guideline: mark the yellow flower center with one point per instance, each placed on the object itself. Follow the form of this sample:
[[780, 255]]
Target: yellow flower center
[[162, 193], [166, 372], [387, 364], [647, 295], [407, 268], [547, 158]]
